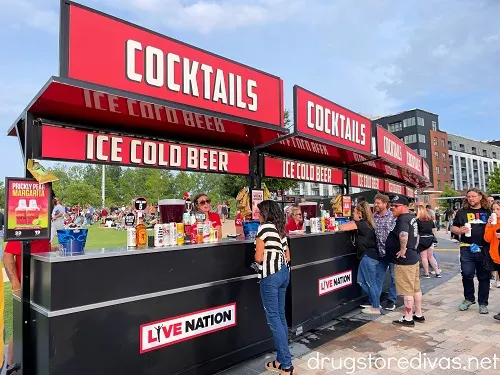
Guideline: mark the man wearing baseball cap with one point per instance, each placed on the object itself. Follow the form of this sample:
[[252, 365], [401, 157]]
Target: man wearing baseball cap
[[401, 248]]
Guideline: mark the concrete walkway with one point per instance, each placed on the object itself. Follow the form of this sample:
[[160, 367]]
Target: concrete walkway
[[449, 342]]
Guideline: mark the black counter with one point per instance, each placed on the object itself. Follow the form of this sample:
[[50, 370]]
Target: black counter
[[103, 312], [323, 280]]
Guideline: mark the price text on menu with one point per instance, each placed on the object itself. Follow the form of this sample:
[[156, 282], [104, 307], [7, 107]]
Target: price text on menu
[[27, 210]]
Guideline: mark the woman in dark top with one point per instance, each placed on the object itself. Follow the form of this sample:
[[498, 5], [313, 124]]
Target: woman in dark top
[[366, 246], [426, 233]]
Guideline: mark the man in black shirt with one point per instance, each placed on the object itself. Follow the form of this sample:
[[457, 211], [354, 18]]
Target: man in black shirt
[[401, 248], [469, 224]]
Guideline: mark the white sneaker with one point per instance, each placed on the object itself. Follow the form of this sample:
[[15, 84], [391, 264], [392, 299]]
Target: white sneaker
[[498, 284]]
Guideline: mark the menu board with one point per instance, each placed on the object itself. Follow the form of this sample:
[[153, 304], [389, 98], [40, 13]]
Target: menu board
[[27, 209], [257, 197], [346, 205]]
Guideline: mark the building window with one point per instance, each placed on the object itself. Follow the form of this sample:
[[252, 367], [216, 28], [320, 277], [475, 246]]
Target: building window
[[444, 156], [408, 122], [445, 171], [395, 127], [461, 147], [450, 147], [485, 153], [474, 151], [409, 139], [434, 125], [420, 121], [435, 141], [439, 184], [443, 144], [423, 153], [436, 155], [421, 138], [494, 155], [437, 169]]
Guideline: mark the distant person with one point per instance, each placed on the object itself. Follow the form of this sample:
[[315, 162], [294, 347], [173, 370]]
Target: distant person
[[492, 236], [57, 218], [294, 221], [473, 248], [426, 234], [491, 200]]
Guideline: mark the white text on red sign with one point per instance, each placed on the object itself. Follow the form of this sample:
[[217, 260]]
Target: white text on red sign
[[368, 182], [393, 149], [170, 331], [148, 111], [161, 68], [394, 188], [306, 172], [143, 152], [335, 124], [332, 283], [413, 161]]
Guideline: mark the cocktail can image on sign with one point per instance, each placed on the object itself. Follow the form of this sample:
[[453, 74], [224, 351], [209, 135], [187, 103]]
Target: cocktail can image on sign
[[27, 209]]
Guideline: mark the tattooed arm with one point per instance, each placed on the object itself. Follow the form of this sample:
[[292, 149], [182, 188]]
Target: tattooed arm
[[403, 241], [11, 271]]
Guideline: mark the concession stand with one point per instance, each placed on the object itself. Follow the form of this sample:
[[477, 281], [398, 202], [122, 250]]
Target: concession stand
[[131, 97]]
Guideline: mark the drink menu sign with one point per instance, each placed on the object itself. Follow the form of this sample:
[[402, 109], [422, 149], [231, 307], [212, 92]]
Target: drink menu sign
[[425, 170], [297, 170], [366, 182], [92, 147], [123, 56], [333, 124], [410, 193], [392, 187], [27, 210]]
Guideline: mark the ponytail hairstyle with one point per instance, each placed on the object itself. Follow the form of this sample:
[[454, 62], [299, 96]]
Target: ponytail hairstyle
[[272, 213]]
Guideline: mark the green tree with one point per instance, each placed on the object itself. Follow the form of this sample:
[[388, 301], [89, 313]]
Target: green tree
[[494, 182], [2, 194], [80, 192], [448, 192]]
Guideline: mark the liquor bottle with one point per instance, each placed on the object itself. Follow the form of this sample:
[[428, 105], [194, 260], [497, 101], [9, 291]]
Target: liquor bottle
[[141, 235]]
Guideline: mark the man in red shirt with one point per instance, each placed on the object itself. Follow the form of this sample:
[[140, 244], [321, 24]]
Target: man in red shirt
[[12, 259]]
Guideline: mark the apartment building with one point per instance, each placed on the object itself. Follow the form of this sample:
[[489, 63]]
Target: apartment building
[[471, 162], [440, 159]]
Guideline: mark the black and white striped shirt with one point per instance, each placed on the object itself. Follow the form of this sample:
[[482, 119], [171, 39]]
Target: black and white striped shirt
[[274, 250]]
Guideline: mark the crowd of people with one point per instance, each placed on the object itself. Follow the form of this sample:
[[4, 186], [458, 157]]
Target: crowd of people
[[391, 239]]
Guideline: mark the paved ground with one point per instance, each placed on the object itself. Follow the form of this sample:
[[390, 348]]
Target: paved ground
[[450, 342]]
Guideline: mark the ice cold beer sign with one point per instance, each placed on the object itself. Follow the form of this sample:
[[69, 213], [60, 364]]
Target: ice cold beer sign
[[129, 151], [170, 331], [295, 170]]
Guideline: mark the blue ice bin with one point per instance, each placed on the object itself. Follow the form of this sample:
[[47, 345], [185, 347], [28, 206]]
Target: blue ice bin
[[250, 229], [72, 241]]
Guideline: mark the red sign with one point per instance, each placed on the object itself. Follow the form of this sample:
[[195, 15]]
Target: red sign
[[296, 170], [391, 187], [113, 53], [410, 192], [27, 210], [323, 119], [390, 147], [335, 282], [129, 151], [346, 205], [413, 161], [366, 182], [425, 169]]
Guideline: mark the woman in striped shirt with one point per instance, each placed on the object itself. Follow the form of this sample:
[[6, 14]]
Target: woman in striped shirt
[[273, 256]]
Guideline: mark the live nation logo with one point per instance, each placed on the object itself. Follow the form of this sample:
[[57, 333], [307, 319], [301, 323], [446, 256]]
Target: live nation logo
[[335, 282], [170, 331]]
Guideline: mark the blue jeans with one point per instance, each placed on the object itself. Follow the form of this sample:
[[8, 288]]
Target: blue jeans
[[475, 264], [367, 279], [273, 292], [382, 268]]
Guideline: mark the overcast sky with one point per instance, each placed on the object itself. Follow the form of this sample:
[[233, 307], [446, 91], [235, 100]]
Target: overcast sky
[[373, 56]]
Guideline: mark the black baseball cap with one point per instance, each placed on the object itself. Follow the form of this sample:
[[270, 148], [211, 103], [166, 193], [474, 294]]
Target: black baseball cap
[[399, 200]]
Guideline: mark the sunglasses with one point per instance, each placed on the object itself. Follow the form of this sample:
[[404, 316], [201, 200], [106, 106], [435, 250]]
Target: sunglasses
[[201, 203]]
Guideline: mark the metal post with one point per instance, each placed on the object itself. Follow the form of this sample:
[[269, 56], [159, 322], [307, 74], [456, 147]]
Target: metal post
[[27, 359], [103, 186]]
